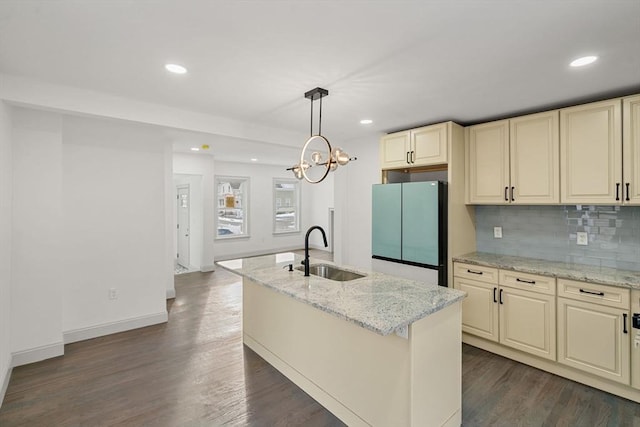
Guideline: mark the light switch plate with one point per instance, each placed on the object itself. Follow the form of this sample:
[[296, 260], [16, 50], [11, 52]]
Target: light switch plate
[[497, 232], [582, 238]]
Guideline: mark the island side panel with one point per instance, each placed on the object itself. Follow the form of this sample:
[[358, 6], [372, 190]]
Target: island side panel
[[436, 368], [360, 376]]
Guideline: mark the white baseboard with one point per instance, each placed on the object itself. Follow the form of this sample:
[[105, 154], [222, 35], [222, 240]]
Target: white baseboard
[[171, 293], [37, 354], [114, 327], [207, 268], [5, 382]]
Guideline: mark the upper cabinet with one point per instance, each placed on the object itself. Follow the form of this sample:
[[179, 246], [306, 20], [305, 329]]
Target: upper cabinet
[[514, 161], [591, 153], [488, 162], [424, 146], [631, 149]]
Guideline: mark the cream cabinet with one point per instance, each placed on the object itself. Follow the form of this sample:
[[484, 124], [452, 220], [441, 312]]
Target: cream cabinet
[[594, 329], [515, 161], [515, 309], [635, 336], [423, 146], [479, 308], [591, 153], [631, 150], [487, 148]]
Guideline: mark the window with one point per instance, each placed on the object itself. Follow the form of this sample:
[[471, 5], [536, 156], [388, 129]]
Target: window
[[232, 203], [286, 206]]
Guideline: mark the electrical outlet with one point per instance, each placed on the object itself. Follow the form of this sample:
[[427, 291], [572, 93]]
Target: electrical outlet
[[113, 293], [497, 232], [582, 238]]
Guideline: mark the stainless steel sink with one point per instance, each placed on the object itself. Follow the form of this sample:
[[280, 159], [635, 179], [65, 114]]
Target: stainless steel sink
[[331, 272]]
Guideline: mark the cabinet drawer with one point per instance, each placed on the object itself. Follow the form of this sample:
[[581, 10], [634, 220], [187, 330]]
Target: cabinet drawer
[[600, 294], [476, 272], [527, 281]]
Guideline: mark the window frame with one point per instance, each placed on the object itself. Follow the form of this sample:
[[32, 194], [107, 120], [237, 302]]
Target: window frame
[[245, 185], [297, 204]]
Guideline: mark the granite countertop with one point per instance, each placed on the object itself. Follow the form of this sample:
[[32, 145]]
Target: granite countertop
[[381, 303], [562, 270]]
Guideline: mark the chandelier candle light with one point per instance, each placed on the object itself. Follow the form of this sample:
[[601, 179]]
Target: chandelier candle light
[[318, 158]]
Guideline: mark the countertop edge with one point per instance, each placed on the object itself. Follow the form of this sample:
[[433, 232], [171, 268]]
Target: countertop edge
[[606, 276]]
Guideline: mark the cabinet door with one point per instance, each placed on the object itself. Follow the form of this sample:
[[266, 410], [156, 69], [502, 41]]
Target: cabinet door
[[479, 308], [534, 150], [635, 335], [591, 153], [429, 145], [395, 150], [591, 338], [386, 220], [528, 322], [631, 146], [488, 163]]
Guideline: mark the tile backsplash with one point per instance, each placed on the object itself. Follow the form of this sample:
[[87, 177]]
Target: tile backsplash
[[549, 232]]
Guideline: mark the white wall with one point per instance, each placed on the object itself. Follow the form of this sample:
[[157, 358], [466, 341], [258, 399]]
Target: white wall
[[353, 204], [115, 226], [261, 239], [203, 166], [196, 220], [318, 199], [36, 251], [6, 178]]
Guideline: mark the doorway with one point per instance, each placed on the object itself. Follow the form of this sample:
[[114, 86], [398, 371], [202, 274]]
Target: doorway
[[183, 226]]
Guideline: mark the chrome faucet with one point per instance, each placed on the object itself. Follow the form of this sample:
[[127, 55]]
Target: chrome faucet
[[306, 247]]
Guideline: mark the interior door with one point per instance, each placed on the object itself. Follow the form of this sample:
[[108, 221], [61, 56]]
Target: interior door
[[183, 225]]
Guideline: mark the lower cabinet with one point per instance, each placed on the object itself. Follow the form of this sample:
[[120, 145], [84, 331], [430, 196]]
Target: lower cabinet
[[515, 309], [527, 322], [594, 329]]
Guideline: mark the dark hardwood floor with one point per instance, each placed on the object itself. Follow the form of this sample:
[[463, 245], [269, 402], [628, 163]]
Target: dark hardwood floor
[[194, 371]]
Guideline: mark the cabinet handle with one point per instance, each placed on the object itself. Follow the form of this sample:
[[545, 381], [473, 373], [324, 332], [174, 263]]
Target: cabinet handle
[[627, 198], [512, 198], [494, 294], [617, 191], [531, 282], [506, 197], [474, 272], [408, 162], [413, 157], [600, 294], [501, 297], [624, 322]]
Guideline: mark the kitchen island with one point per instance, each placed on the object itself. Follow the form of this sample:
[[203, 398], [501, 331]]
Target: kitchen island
[[376, 350]]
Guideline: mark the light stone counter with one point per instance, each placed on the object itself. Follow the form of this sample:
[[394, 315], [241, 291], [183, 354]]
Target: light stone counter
[[581, 272], [381, 303]]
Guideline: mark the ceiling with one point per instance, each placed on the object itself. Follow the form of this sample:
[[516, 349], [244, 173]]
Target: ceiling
[[399, 63]]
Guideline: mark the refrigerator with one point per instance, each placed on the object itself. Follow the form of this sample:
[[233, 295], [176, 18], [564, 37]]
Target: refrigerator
[[409, 224]]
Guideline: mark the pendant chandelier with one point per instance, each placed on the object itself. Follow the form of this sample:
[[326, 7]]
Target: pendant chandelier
[[318, 158]]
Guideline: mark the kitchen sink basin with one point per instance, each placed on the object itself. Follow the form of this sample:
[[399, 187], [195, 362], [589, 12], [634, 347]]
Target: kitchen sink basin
[[331, 272]]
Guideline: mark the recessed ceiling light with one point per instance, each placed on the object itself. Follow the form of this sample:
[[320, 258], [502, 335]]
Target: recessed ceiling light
[[175, 68], [585, 60], [366, 121], [254, 160], [195, 149]]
